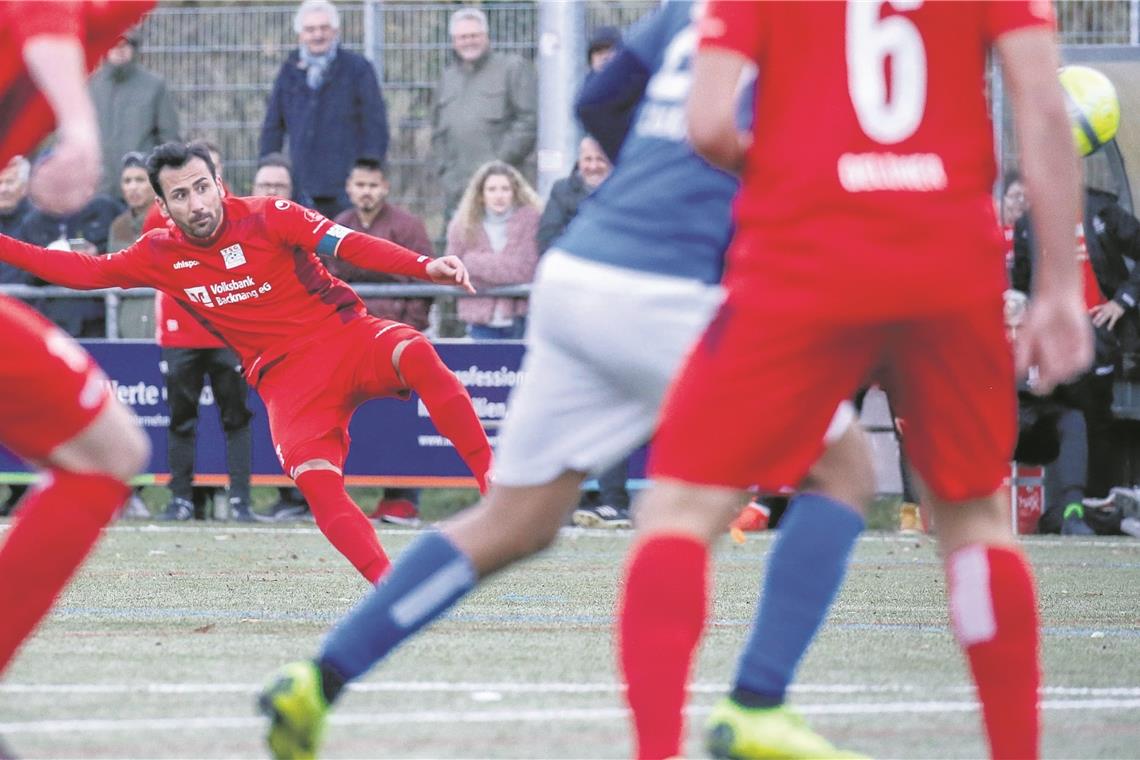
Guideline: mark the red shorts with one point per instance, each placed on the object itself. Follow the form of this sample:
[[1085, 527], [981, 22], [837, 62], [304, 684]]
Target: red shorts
[[311, 394], [50, 388], [755, 398]]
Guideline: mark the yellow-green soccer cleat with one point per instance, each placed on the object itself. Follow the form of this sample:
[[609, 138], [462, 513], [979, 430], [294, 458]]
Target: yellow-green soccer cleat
[[296, 705], [750, 733]]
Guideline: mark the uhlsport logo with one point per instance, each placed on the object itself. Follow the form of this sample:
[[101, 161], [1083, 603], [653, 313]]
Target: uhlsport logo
[[200, 295], [186, 264], [233, 256]]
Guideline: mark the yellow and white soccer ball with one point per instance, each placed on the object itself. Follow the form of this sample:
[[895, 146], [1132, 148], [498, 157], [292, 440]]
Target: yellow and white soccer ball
[[1094, 109]]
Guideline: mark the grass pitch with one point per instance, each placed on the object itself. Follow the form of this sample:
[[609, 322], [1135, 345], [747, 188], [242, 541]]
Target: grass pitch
[[159, 647]]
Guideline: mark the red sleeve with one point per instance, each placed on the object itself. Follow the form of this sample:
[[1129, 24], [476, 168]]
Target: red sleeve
[[79, 271], [1003, 16], [295, 225], [31, 19], [733, 25]]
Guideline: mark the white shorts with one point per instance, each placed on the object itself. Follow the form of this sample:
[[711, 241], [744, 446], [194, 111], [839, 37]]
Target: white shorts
[[603, 344]]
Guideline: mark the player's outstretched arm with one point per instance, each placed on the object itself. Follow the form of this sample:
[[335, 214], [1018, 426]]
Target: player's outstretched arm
[[449, 270], [380, 255], [711, 110], [1057, 336], [67, 179], [79, 271]]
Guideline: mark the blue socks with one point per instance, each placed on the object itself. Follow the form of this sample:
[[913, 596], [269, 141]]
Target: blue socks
[[805, 569], [430, 576]]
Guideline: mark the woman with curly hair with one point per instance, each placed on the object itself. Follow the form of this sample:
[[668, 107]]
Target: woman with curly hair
[[494, 231]]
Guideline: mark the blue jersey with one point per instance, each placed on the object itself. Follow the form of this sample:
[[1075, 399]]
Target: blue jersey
[[663, 209]]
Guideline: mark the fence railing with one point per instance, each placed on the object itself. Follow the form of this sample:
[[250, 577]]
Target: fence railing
[[219, 61], [113, 297]]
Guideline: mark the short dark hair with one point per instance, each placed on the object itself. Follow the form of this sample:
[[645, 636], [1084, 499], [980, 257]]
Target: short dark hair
[[276, 159], [1011, 176], [175, 155], [209, 145], [370, 164], [135, 159]]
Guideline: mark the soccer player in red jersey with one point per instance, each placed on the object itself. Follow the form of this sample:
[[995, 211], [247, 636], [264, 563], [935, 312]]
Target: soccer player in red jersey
[[867, 249], [56, 409], [247, 269]]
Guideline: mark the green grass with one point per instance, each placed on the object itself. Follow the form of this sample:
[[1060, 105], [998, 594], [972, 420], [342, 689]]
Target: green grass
[[159, 646]]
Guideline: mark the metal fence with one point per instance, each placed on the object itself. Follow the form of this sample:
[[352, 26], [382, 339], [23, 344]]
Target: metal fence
[[219, 61]]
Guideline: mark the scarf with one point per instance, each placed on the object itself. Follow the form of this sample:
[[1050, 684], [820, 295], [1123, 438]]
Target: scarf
[[315, 66]]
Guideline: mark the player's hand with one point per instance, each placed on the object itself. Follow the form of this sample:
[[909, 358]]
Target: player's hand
[[449, 270], [1106, 314], [67, 179], [1056, 338]]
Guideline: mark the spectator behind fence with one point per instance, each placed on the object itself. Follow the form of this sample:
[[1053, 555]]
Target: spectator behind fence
[[190, 353], [494, 232], [372, 214], [136, 315], [1013, 206], [275, 177], [485, 107], [1107, 236], [603, 45], [327, 101], [135, 109], [567, 193], [608, 506], [14, 205], [85, 231]]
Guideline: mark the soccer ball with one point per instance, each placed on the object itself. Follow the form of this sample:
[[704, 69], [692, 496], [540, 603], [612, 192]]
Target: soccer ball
[[1094, 109]]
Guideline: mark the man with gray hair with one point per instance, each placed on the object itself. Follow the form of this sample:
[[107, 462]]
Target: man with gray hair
[[485, 107], [327, 101]]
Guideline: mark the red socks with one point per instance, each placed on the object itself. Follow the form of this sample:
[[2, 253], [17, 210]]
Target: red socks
[[993, 610], [449, 405], [661, 616], [342, 522], [55, 529]]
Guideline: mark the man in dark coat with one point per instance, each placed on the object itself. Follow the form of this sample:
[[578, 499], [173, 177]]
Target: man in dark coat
[[327, 100], [567, 193]]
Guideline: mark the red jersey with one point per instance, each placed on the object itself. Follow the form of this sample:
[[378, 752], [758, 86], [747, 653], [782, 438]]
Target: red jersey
[[867, 188], [174, 327], [257, 282], [25, 116]]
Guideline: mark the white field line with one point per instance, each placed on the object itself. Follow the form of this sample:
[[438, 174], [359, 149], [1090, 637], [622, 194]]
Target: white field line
[[422, 687], [571, 533], [511, 687], [509, 716]]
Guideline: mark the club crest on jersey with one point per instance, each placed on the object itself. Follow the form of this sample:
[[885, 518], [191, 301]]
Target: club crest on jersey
[[199, 295], [233, 256]]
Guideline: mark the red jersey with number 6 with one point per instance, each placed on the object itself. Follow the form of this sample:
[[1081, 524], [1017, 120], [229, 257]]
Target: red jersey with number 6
[[867, 188]]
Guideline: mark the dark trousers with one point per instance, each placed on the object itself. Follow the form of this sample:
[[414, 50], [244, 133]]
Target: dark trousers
[[611, 485], [329, 206], [1091, 394], [186, 370], [1066, 477]]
